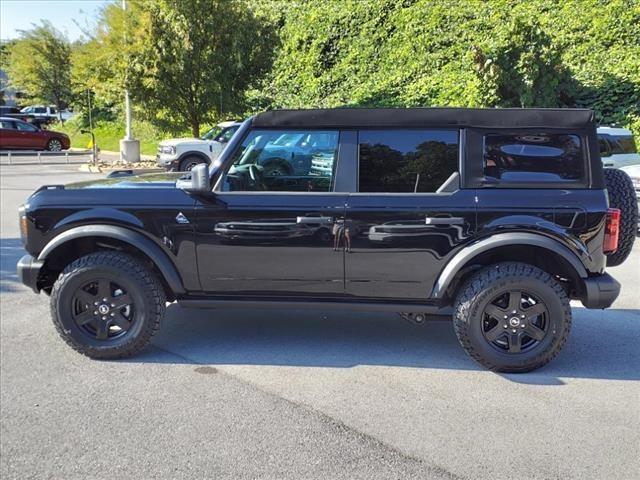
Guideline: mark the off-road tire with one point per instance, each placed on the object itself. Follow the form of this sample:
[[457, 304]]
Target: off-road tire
[[622, 195], [142, 285], [482, 287], [188, 163]]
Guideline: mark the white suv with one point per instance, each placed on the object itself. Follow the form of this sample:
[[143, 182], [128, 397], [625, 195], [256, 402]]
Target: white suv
[[617, 147], [185, 153]]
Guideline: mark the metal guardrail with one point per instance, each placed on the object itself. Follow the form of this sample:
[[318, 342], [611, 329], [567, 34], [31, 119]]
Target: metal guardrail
[[38, 157]]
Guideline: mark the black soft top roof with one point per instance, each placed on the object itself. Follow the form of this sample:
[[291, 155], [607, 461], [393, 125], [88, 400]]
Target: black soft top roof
[[427, 117]]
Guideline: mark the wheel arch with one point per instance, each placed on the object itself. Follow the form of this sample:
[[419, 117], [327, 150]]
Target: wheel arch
[[541, 251], [194, 153], [81, 240]]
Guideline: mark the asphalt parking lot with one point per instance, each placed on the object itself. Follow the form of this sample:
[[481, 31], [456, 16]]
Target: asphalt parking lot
[[303, 394]]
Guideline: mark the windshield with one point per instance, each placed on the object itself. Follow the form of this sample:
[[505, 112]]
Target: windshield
[[212, 134]]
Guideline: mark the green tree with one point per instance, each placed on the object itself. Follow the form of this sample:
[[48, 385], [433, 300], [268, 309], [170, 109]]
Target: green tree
[[199, 59], [39, 65], [102, 63]]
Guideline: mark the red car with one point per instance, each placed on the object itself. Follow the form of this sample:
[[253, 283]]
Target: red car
[[18, 135]]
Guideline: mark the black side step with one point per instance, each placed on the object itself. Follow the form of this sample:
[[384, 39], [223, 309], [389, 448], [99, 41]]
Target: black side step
[[319, 304]]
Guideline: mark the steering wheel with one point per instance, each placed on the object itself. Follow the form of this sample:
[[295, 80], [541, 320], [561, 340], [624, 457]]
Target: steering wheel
[[254, 173]]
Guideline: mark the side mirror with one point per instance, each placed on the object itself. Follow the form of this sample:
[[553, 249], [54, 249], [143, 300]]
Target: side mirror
[[200, 178]]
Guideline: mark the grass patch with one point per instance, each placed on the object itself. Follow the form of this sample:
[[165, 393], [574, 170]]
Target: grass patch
[[109, 134]]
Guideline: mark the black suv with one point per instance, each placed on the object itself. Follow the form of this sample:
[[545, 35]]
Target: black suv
[[496, 218]]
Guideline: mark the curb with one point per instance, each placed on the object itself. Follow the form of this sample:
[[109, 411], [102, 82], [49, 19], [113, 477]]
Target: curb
[[102, 168]]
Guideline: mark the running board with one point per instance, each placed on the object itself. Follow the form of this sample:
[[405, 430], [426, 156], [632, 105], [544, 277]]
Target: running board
[[206, 303]]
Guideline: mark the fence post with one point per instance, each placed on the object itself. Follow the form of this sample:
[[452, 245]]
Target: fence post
[[66, 155], [39, 158], [9, 157]]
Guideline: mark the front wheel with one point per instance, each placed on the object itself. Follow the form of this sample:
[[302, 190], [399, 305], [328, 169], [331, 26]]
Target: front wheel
[[188, 163], [54, 145], [512, 317], [107, 305]]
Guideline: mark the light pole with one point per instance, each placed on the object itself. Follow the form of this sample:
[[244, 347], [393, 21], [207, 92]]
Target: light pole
[[129, 147]]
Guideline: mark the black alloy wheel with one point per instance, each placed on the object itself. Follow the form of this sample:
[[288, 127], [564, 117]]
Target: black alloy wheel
[[515, 322], [103, 309], [107, 305], [512, 317]]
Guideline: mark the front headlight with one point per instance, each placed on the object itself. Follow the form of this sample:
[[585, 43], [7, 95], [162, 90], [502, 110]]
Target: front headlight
[[170, 150]]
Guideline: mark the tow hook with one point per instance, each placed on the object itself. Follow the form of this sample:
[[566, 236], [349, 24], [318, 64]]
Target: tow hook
[[415, 318]]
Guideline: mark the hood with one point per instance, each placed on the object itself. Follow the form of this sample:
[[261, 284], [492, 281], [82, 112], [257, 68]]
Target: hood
[[148, 180], [632, 170], [181, 141]]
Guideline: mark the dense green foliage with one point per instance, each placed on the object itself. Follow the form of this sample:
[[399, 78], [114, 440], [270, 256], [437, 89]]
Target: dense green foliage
[[473, 53], [39, 65], [192, 61]]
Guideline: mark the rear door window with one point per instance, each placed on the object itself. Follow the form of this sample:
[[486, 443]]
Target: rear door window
[[406, 161], [534, 157]]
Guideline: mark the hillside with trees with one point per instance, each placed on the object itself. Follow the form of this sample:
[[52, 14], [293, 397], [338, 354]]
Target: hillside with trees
[[189, 63]]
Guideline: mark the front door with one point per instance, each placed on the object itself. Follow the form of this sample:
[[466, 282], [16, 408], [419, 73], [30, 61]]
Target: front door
[[267, 230], [409, 214], [29, 136]]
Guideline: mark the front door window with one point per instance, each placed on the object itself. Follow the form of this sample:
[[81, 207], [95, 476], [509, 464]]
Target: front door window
[[284, 161]]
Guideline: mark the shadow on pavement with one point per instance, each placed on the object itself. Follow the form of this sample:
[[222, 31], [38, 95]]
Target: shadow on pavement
[[602, 345], [11, 250]]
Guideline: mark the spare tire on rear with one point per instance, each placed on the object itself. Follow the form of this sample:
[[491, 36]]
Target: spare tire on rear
[[622, 196]]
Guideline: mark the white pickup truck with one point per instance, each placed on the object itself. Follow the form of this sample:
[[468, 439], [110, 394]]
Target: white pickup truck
[[40, 114], [182, 154], [617, 147]]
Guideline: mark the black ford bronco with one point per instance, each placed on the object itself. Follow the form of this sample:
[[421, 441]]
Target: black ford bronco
[[495, 218]]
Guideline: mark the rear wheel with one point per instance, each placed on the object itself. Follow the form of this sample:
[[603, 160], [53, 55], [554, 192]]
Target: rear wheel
[[54, 145], [107, 305], [622, 196], [512, 317], [188, 163]]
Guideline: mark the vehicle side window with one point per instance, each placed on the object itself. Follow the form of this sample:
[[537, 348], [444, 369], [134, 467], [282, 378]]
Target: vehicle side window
[[605, 147], [53, 110], [25, 127], [405, 161], [621, 144], [7, 125], [226, 134], [533, 157], [284, 161], [40, 110]]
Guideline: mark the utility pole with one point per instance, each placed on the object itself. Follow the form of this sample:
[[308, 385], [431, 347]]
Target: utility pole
[[129, 147]]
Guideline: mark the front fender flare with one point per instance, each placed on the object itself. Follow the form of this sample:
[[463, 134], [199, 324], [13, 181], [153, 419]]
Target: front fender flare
[[500, 240], [135, 239]]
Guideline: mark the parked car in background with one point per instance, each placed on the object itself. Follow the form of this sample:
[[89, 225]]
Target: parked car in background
[[13, 112], [634, 173], [42, 114], [7, 110], [617, 147], [185, 153], [19, 135]]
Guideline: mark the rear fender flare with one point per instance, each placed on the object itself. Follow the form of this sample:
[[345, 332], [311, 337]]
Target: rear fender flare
[[468, 253], [160, 259]]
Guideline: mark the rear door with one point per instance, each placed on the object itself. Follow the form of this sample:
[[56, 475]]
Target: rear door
[[409, 213], [267, 228]]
